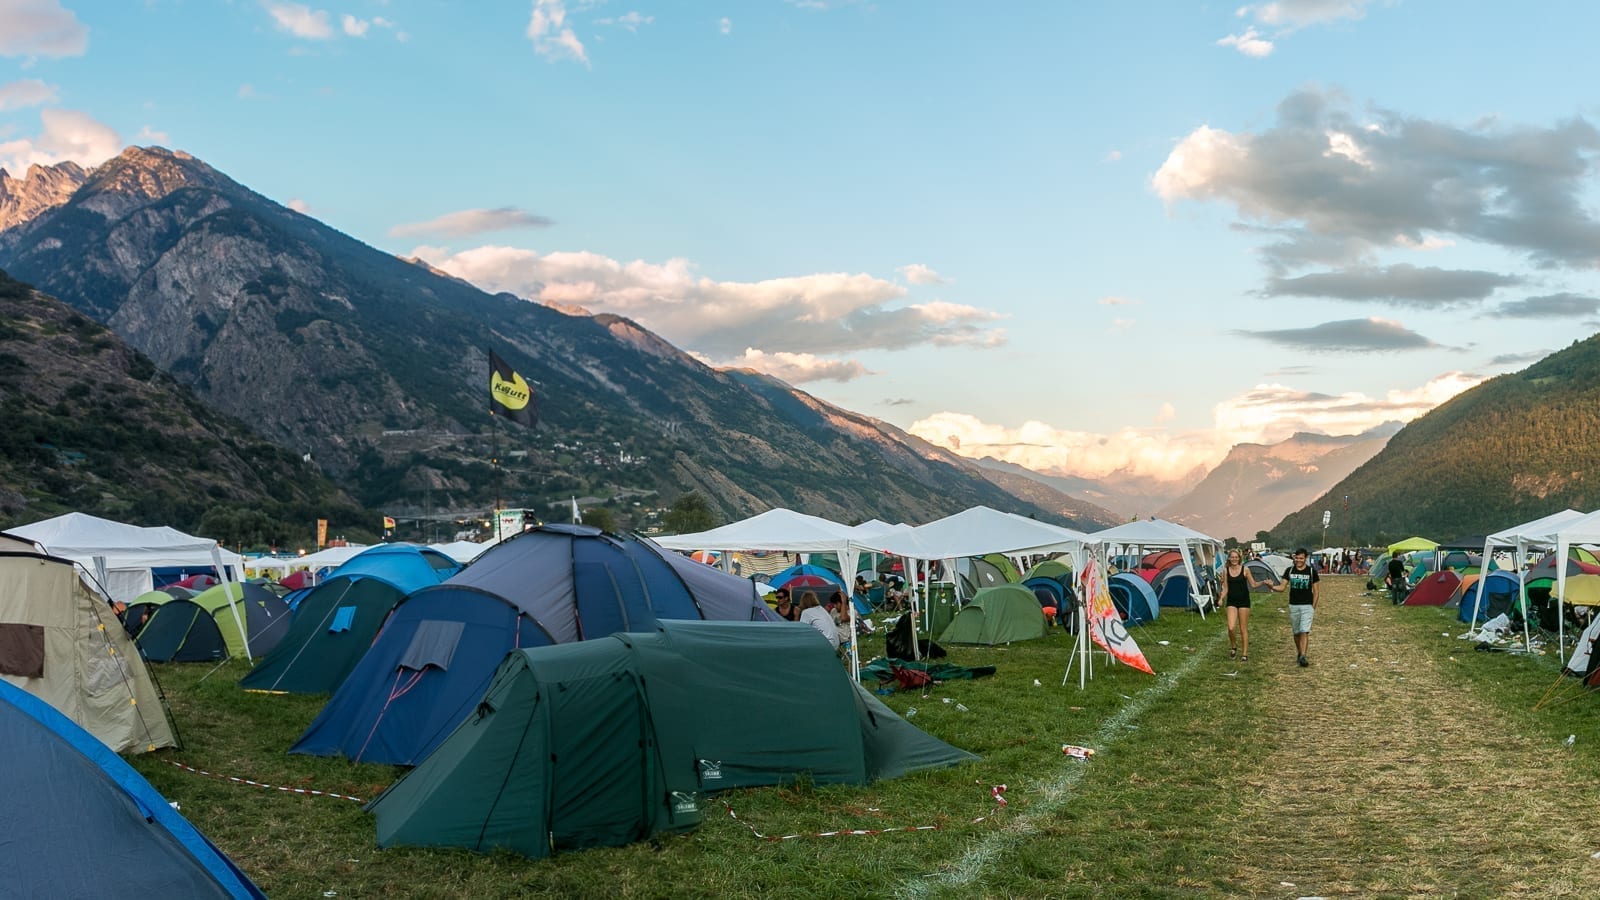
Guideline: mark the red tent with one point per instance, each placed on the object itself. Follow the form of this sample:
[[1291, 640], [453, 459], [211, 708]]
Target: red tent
[[1435, 590]]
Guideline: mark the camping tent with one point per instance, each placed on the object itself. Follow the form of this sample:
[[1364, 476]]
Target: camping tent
[[1267, 578], [1583, 530], [1435, 590], [80, 822], [130, 554], [60, 641], [997, 615], [335, 623], [604, 742], [1155, 534], [1133, 598], [552, 584], [1499, 592], [205, 627]]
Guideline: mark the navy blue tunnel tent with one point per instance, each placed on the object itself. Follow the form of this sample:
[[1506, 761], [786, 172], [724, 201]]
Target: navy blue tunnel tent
[[555, 584], [80, 822]]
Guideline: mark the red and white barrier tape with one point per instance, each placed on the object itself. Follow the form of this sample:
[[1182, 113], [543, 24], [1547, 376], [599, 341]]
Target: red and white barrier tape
[[998, 793], [270, 787]]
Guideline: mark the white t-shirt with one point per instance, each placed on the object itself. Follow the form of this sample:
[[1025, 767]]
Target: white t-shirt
[[819, 618]]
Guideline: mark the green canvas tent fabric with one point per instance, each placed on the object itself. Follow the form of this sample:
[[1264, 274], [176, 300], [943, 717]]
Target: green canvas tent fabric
[[1413, 544], [1008, 569], [212, 631], [605, 742], [1051, 568], [997, 615]]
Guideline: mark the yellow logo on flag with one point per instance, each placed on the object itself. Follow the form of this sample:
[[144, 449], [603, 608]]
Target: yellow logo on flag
[[388, 523], [512, 393]]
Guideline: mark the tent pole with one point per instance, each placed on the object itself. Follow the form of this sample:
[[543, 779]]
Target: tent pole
[[1562, 545], [1522, 595]]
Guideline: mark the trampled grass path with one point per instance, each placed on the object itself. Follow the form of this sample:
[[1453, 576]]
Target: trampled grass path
[[1381, 775]]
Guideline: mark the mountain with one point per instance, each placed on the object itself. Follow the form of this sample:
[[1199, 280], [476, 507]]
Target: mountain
[[377, 367], [1120, 495], [93, 425], [1514, 448], [40, 189], [1256, 485]]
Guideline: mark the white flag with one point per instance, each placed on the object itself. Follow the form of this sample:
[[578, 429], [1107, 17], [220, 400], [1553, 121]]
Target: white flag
[[577, 517]]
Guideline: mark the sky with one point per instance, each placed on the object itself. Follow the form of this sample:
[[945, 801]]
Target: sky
[[1094, 238]]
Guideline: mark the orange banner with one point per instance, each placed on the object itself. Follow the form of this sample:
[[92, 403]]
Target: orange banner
[[1105, 623], [322, 533]]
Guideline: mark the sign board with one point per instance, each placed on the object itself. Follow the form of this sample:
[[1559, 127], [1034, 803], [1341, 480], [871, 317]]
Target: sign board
[[1258, 546], [1327, 517]]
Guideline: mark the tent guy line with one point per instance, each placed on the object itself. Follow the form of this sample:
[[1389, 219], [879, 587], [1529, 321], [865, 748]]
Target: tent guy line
[[271, 787], [1055, 794]]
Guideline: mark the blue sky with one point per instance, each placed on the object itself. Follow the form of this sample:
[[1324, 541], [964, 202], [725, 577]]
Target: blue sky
[[1088, 237]]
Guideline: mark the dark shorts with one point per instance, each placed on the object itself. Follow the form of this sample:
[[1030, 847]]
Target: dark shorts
[[1238, 603]]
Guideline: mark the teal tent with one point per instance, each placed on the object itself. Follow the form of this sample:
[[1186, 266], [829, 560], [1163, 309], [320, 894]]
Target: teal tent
[[997, 615], [607, 741]]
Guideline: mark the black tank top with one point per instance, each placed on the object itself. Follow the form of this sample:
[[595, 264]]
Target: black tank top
[[1238, 585]]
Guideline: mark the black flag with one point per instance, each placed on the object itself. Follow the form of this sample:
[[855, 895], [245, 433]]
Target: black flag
[[509, 395]]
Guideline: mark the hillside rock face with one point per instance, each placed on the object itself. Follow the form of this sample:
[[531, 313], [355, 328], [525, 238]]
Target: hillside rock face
[[377, 367], [1256, 485], [92, 425], [41, 188]]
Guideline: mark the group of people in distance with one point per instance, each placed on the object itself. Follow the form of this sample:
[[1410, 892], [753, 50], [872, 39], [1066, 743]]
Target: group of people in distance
[[828, 613], [1300, 580]]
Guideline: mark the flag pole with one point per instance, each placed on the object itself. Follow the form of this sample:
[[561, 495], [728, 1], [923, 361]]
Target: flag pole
[[494, 460]]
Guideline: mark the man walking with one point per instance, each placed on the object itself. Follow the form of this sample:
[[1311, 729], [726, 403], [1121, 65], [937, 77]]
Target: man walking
[[1300, 580]]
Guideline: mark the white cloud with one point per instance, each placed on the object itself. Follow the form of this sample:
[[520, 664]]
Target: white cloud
[[1272, 412], [65, 135], [1114, 156], [1117, 301], [300, 20], [299, 206], [40, 28], [1335, 188], [1295, 14], [353, 26], [725, 25], [917, 273], [797, 368], [148, 135], [246, 92], [1118, 326], [1251, 43], [1267, 413], [25, 93], [630, 21], [825, 313], [551, 36], [468, 222]]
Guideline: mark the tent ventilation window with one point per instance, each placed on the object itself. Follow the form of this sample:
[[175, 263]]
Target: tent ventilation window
[[434, 644], [22, 650], [343, 619]]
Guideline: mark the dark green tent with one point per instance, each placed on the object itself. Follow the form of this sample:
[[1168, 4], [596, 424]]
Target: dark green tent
[[604, 742], [997, 615]]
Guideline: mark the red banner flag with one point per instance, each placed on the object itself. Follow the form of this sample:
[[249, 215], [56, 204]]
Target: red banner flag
[[1105, 623]]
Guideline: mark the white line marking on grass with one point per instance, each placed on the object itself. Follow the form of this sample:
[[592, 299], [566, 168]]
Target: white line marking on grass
[[981, 855]]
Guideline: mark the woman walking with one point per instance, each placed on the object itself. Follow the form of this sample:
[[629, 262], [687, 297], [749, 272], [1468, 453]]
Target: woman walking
[[1238, 581]]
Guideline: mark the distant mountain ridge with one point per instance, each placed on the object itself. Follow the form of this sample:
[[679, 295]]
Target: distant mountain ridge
[[1512, 449], [1256, 485], [376, 366], [1121, 495]]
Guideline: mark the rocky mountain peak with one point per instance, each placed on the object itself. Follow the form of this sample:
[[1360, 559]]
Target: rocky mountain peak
[[140, 175], [42, 188]]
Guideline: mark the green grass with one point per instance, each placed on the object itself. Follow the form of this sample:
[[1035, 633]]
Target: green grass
[[1168, 807]]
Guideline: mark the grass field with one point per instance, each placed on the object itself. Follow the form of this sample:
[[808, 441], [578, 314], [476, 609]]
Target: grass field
[[1401, 763]]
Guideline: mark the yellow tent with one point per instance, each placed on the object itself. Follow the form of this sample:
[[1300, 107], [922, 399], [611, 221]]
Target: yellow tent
[[1413, 544], [1582, 590]]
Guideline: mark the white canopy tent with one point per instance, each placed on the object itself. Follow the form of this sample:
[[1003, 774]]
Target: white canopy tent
[[330, 557], [1582, 530], [463, 551], [120, 557], [781, 529], [1159, 534], [1521, 537], [128, 552]]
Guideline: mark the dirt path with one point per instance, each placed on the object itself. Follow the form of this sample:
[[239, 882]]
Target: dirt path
[[1377, 777]]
